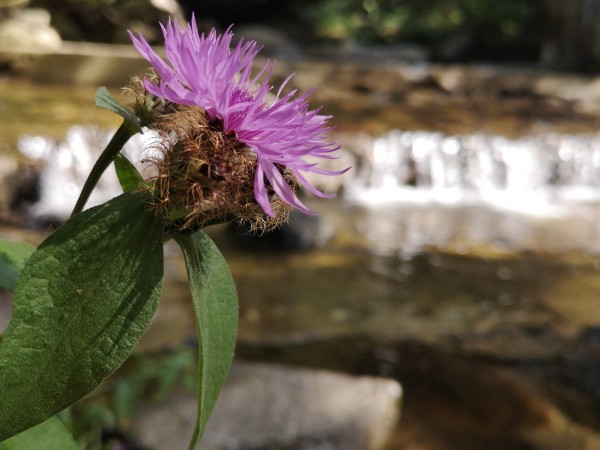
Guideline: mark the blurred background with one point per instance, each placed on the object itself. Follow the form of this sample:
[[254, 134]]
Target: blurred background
[[557, 33], [447, 299]]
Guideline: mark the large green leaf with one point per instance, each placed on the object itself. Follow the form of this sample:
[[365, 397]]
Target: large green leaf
[[12, 259], [83, 299], [48, 435], [216, 310]]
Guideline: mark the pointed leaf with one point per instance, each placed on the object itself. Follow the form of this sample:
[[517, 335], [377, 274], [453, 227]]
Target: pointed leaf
[[48, 435], [105, 100], [83, 299], [216, 312], [128, 175], [12, 259]]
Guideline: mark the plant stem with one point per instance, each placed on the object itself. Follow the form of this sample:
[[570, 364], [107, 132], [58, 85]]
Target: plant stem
[[195, 437], [125, 131]]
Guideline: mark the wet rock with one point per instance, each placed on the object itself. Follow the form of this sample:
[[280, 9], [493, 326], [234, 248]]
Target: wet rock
[[386, 54], [275, 43], [28, 30], [580, 364], [9, 169], [271, 406], [89, 22], [301, 232], [499, 407], [455, 402], [171, 7], [496, 306]]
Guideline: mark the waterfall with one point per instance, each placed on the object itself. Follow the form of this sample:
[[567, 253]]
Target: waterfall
[[532, 171], [479, 184], [67, 163]]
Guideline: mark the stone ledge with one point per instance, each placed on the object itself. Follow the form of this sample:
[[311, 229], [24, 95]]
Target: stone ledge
[[273, 406]]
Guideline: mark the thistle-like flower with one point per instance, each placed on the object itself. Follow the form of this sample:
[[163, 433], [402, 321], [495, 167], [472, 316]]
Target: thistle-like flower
[[212, 102]]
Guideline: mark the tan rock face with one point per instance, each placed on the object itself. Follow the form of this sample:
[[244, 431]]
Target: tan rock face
[[10, 3]]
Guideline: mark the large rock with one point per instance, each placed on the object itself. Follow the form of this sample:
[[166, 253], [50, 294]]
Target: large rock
[[29, 30], [270, 406], [9, 169]]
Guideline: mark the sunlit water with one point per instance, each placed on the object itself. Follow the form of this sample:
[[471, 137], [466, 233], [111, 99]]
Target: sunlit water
[[67, 163], [424, 190], [527, 173], [411, 191]]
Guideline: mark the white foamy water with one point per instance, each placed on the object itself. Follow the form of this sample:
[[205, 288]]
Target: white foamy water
[[534, 174], [67, 164]]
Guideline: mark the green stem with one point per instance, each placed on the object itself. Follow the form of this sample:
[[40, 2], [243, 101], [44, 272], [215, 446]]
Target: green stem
[[195, 437], [125, 131]]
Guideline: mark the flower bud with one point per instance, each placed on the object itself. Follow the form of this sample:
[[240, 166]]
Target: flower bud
[[203, 175]]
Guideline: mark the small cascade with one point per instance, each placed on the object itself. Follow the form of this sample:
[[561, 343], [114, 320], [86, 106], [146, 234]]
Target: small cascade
[[66, 165], [516, 173], [456, 193]]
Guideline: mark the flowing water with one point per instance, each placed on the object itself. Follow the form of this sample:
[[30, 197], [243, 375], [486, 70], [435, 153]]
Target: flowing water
[[424, 190], [552, 168]]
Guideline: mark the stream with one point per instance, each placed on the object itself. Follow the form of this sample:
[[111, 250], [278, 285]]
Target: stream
[[461, 255]]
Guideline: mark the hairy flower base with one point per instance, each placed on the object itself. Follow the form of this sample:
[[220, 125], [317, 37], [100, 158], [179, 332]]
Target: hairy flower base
[[206, 176]]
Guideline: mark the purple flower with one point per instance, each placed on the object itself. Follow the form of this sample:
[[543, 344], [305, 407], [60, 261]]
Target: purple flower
[[205, 71]]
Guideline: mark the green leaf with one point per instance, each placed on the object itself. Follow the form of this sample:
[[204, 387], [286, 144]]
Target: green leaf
[[48, 435], [128, 175], [216, 312], [83, 300], [105, 100], [12, 259]]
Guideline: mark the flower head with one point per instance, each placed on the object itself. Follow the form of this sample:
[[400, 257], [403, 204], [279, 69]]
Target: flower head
[[206, 72]]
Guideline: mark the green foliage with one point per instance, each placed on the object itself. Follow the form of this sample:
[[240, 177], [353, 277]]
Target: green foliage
[[128, 175], [152, 376], [426, 22], [12, 259], [88, 421], [82, 301], [48, 435], [216, 312], [145, 377]]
